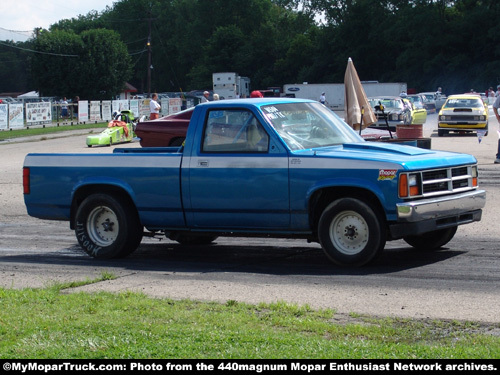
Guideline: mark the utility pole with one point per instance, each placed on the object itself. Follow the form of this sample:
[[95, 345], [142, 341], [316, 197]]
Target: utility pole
[[149, 56]]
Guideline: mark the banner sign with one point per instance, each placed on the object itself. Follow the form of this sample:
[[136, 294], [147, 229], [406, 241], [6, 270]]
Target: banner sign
[[165, 110], [38, 113], [16, 116], [83, 110], [144, 107], [120, 105], [174, 105], [4, 108], [95, 111], [106, 110], [134, 107]]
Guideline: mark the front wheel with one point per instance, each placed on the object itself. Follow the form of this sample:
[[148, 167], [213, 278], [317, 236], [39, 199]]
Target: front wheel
[[350, 232], [431, 240], [106, 228]]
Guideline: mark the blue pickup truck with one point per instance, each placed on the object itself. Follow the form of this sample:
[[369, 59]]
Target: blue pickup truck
[[272, 167]]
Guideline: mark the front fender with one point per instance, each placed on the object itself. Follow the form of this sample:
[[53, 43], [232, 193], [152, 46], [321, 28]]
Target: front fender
[[374, 187]]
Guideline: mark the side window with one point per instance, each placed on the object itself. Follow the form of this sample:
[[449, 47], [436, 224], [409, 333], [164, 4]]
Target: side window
[[234, 130]]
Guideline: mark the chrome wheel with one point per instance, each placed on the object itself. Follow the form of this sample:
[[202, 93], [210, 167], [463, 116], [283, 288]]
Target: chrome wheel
[[103, 226], [349, 232]]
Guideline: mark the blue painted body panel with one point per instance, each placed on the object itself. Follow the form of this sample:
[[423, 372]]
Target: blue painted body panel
[[261, 192]]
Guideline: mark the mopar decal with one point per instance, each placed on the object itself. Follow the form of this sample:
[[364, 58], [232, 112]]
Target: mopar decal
[[387, 174]]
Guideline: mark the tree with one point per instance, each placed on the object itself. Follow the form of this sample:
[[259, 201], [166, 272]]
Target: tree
[[105, 65], [14, 67], [56, 62], [93, 65]]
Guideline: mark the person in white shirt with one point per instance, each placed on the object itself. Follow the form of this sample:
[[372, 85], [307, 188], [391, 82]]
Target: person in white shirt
[[322, 98], [154, 108], [204, 99]]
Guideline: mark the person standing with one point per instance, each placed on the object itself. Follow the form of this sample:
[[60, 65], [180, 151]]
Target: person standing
[[322, 98], [491, 96], [64, 108], [204, 99], [154, 107], [496, 105]]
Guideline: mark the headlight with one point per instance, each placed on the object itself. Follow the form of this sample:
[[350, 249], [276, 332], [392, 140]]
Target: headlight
[[442, 118], [409, 185], [474, 176], [394, 117]]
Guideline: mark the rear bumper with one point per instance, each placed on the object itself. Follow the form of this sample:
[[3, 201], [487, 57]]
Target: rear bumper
[[436, 213]]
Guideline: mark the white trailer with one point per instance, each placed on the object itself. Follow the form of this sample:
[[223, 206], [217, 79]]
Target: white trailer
[[230, 85], [335, 92]]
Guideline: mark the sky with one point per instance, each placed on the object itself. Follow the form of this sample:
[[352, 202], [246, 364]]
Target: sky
[[18, 18]]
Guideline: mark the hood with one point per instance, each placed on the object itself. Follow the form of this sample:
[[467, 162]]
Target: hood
[[408, 157]]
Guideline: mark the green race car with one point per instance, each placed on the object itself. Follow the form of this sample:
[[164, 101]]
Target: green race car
[[119, 130]]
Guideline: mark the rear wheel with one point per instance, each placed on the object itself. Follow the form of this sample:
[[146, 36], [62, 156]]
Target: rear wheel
[[350, 232], [106, 227], [431, 240]]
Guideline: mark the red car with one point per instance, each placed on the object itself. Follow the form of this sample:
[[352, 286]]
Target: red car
[[167, 131]]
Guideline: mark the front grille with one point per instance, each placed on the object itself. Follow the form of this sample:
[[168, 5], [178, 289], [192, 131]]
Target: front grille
[[447, 180], [463, 118], [444, 181]]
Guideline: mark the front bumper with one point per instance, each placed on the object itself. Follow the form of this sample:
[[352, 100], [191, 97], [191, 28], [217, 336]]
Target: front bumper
[[431, 214], [460, 125]]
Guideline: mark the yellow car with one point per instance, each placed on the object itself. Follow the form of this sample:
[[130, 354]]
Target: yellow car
[[464, 112]]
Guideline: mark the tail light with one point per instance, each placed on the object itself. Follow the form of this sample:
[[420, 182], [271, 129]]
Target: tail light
[[26, 180]]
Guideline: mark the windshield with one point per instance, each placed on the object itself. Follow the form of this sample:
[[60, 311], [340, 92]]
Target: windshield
[[463, 103], [389, 104], [308, 125], [417, 102]]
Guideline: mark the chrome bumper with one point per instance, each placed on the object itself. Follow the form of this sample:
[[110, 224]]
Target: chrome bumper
[[441, 207]]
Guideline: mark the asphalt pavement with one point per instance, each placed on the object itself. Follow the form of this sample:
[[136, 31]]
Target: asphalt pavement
[[239, 276]]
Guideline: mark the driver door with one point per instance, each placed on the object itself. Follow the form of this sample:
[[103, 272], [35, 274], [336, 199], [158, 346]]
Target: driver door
[[234, 181]]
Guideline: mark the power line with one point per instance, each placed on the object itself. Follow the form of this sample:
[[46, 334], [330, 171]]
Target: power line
[[16, 31], [39, 52]]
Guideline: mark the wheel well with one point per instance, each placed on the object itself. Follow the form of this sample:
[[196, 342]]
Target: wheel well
[[322, 198], [88, 190]]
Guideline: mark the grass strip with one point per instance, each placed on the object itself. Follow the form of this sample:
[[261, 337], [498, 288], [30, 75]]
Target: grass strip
[[37, 131], [45, 323]]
